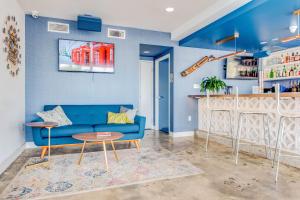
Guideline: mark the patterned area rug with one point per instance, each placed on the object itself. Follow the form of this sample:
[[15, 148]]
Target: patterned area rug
[[67, 177]]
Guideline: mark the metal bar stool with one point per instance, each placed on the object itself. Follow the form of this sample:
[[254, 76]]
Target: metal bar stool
[[279, 139], [211, 113], [243, 114]]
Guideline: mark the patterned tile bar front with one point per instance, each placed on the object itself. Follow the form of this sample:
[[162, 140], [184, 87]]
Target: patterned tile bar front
[[253, 125]]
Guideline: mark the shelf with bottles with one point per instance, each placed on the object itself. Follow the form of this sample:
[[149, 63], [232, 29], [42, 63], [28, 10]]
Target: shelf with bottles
[[280, 58], [282, 72]]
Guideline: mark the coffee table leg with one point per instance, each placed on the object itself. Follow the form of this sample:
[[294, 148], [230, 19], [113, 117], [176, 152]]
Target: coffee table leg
[[113, 146], [105, 155], [81, 154]]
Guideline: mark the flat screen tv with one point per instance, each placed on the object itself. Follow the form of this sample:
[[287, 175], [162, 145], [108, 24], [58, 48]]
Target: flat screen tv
[[242, 67], [85, 56]]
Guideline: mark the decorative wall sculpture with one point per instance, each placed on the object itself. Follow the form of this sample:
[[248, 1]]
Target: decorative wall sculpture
[[12, 47]]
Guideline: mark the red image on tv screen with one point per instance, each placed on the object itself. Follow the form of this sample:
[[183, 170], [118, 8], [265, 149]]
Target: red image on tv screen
[[86, 56]]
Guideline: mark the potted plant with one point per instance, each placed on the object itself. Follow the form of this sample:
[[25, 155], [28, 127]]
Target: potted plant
[[212, 84]]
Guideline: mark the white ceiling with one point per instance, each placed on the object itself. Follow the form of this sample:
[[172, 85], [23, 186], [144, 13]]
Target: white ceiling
[[145, 14]]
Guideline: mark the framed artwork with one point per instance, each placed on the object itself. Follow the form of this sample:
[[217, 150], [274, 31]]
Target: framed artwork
[[86, 56]]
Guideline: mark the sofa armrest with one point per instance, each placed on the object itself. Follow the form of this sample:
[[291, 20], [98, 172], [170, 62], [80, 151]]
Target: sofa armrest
[[141, 121]]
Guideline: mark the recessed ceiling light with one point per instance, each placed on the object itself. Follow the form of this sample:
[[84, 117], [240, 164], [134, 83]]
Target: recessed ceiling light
[[263, 42], [275, 39], [146, 52], [170, 9]]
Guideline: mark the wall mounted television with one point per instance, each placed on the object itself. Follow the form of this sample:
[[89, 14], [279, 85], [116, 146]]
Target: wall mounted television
[[242, 67], [86, 56]]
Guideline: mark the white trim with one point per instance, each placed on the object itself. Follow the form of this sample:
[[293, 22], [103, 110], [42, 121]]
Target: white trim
[[6, 163], [206, 17], [30, 145], [152, 62], [182, 134], [168, 56]]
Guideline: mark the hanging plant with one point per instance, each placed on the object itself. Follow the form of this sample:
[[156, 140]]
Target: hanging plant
[[212, 84]]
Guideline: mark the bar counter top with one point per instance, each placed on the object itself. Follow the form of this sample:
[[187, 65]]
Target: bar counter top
[[285, 94]]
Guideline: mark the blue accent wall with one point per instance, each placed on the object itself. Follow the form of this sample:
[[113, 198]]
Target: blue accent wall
[[46, 85]]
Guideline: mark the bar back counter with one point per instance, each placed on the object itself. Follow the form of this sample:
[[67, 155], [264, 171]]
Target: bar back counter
[[253, 126]]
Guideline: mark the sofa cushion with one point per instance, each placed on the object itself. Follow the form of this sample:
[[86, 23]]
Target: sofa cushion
[[123, 128], [67, 131], [88, 114]]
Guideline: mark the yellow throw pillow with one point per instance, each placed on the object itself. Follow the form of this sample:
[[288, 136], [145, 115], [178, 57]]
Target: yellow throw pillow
[[118, 118]]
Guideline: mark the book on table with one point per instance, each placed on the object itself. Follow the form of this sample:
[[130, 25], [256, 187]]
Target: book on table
[[104, 134]]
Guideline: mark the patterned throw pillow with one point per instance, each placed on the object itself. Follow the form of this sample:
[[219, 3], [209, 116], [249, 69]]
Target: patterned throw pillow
[[56, 115], [117, 118], [131, 113]]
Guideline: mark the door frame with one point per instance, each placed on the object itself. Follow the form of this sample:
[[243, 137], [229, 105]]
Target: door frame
[[167, 56], [140, 81]]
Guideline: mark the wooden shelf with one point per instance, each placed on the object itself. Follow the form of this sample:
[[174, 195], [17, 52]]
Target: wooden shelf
[[283, 78], [282, 64]]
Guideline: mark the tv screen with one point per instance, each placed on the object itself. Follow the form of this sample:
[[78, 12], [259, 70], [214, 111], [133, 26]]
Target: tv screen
[[242, 67], [84, 56]]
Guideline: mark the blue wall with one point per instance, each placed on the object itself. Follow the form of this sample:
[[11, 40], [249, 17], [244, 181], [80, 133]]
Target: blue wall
[[45, 85]]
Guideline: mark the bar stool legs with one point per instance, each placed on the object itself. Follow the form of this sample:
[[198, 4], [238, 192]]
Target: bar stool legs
[[210, 125], [278, 147], [240, 125], [237, 142]]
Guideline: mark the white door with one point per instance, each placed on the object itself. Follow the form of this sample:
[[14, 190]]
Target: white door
[[146, 92]]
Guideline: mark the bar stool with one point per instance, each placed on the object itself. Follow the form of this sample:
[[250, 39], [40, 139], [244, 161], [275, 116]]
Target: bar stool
[[243, 114], [283, 117], [216, 110]]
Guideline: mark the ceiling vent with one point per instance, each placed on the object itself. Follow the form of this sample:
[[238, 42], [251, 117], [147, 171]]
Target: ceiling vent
[[115, 33], [58, 27]]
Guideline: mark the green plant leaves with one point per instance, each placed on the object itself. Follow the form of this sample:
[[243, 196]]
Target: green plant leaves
[[212, 84]]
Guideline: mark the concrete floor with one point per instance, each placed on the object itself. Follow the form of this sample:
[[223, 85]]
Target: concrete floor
[[253, 178]]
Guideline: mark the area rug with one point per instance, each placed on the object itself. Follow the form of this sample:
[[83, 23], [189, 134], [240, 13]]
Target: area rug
[[67, 177]]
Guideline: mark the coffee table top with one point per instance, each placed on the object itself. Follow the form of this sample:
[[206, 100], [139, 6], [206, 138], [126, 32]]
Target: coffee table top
[[42, 124], [98, 136]]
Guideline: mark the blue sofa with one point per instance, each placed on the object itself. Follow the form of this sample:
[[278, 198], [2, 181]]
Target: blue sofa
[[88, 118]]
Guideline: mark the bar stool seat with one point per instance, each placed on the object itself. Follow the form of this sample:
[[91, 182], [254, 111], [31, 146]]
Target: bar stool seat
[[252, 112], [280, 135], [290, 115], [264, 115], [212, 111]]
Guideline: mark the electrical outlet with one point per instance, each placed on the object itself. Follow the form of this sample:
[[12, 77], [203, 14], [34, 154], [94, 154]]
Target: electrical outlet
[[189, 118], [196, 86]]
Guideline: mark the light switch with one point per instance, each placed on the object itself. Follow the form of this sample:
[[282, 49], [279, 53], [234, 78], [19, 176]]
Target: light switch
[[196, 86]]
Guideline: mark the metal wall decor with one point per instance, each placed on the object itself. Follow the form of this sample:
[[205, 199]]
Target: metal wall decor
[[12, 47]]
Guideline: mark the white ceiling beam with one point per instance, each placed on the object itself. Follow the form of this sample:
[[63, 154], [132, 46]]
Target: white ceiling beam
[[213, 13]]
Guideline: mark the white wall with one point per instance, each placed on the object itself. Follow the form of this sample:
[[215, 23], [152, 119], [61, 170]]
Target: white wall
[[12, 92]]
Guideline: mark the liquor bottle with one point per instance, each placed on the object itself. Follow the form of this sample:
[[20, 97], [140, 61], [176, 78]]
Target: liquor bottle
[[282, 59], [284, 72], [287, 58], [297, 57], [272, 73], [292, 58], [295, 71], [291, 72]]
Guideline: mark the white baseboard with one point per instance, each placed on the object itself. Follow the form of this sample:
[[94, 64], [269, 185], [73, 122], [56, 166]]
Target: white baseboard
[[182, 134], [6, 163], [30, 145]]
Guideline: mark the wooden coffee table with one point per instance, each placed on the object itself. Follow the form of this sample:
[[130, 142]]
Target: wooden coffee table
[[49, 126], [103, 137]]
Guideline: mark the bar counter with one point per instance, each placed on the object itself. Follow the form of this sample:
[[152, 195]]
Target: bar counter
[[253, 126], [286, 94]]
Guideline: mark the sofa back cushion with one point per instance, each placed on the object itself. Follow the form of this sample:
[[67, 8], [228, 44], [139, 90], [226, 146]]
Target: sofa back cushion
[[88, 114]]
